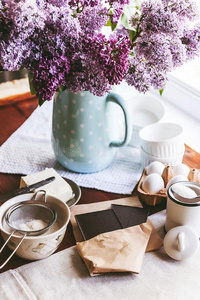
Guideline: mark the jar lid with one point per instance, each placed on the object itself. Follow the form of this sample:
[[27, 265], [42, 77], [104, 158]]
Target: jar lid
[[181, 242]]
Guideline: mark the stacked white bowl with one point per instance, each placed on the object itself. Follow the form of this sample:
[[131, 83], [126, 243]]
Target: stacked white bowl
[[145, 110], [162, 142]]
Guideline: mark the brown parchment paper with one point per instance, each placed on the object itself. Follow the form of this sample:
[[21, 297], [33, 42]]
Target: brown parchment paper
[[117, 251], [155, 241]]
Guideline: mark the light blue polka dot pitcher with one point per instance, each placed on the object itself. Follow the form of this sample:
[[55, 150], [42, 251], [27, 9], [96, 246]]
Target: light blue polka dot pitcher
[[86, 130]]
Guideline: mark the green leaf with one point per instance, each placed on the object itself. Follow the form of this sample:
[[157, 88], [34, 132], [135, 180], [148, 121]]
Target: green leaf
[[113, 26], [132, 34], [41, 102], [109, 22], [61, 89], [31, 86], [125, 18], [161, 91]]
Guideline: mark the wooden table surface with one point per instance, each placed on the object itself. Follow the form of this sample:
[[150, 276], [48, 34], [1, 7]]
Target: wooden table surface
[[13, 112]]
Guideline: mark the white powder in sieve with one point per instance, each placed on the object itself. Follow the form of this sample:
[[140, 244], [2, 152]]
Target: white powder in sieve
[[33, 225]]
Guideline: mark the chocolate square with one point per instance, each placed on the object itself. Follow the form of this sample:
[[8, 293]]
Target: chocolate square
[[94, 223], [130, 216]]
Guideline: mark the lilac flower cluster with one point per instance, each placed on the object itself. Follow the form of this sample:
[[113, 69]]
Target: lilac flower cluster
[[61, 43], [184, 9], [49, 75], [191, 41], [82, 3], [93, 19], [115, 59], [16, 30], [101, 64], [163, 41]]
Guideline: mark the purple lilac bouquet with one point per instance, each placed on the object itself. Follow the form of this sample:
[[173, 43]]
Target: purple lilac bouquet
[[62, 45]]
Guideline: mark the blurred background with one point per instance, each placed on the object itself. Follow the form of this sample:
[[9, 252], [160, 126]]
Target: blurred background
[[9, 76]]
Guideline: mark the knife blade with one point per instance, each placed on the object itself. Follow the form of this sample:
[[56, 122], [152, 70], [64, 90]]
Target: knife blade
[[27, 189]]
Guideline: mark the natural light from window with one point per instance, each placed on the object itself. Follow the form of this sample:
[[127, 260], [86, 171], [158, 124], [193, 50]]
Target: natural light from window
[[189, 74]]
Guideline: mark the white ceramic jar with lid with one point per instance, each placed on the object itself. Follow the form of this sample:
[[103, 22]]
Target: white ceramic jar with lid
[[181, 212], [182, 220]]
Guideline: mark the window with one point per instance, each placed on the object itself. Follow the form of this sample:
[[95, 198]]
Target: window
[[183, 88], [188, 75]]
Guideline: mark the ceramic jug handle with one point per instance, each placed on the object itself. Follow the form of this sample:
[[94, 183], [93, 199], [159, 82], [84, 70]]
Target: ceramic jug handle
[[127, 118]]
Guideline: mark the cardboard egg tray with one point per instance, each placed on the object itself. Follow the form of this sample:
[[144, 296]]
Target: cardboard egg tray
[[154, 199]]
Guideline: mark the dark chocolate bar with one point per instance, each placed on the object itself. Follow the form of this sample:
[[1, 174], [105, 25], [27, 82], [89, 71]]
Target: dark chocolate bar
[[118, 217]]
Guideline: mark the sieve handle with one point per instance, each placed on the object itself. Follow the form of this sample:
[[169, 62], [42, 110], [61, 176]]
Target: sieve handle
[[6, 242], [40, 191]]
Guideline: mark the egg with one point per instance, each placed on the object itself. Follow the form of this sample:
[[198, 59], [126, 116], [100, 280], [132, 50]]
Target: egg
[[155, 167], [176, 178], [181, 169], [153, 183]]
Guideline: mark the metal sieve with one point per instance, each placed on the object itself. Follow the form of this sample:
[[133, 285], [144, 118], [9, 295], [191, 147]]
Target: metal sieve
[[25, 212]]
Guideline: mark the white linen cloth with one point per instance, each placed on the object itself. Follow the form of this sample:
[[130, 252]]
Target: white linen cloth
[[64, 276], [29, 150]]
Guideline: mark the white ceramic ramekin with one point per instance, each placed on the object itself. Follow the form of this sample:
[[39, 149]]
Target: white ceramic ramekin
[[145, 110], [164, 140], [146, 158]]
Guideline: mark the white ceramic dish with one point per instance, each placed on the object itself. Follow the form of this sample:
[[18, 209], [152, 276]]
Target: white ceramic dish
[[146, 158], [145, 110], [41, 246], [162, 139], [76, 191]]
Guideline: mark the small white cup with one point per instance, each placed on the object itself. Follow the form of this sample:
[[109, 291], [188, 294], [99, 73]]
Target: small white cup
[[162, 140], [145, 110]]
